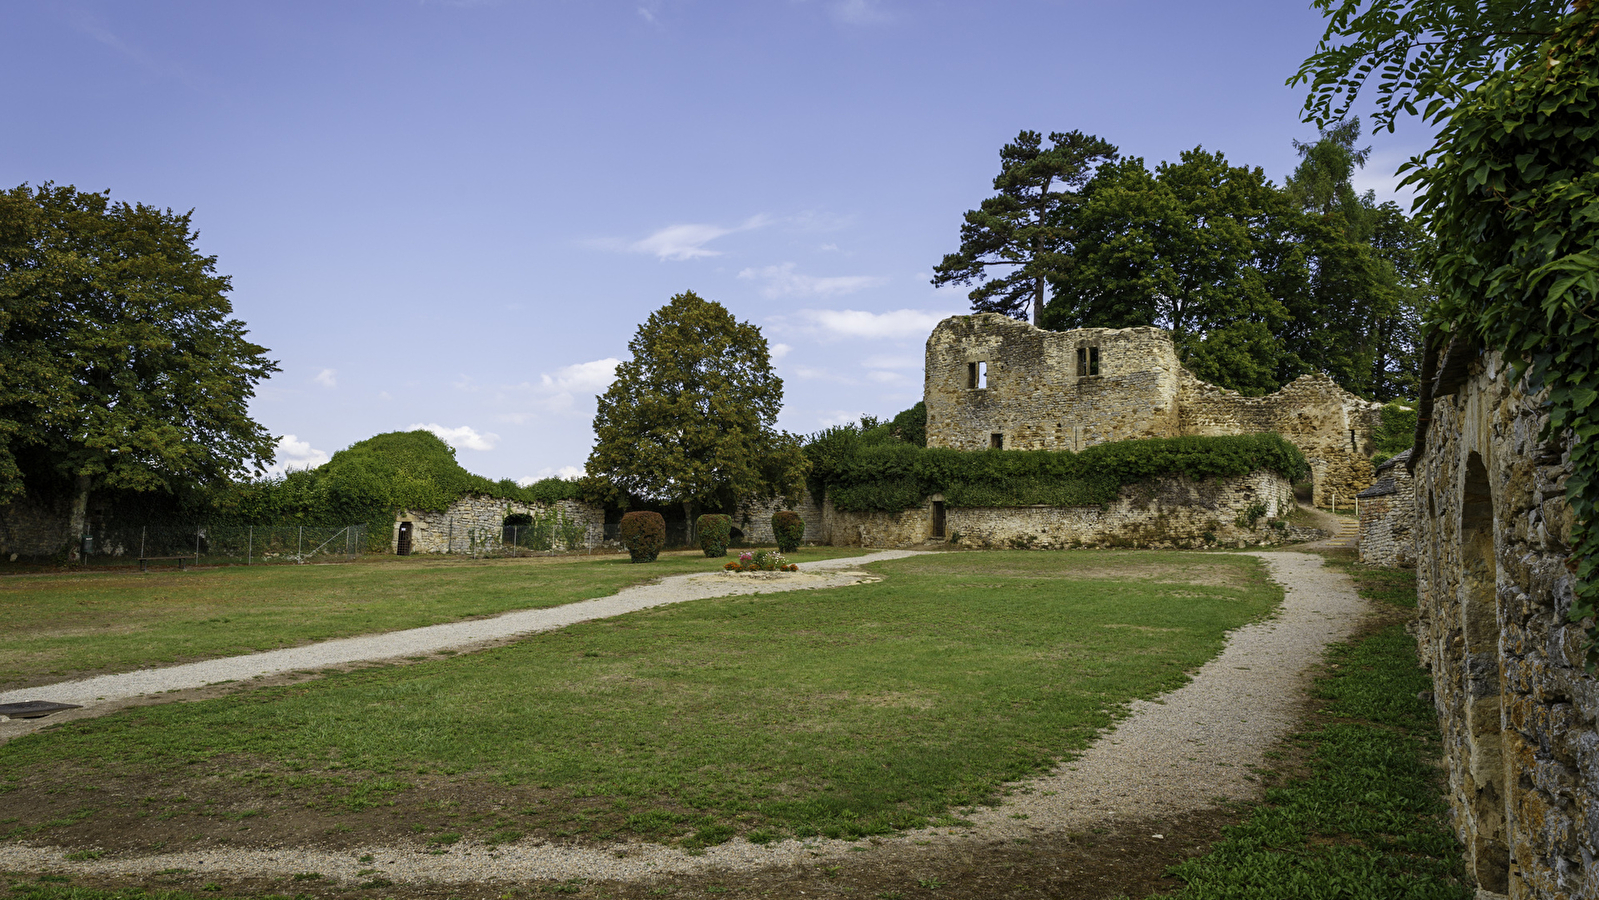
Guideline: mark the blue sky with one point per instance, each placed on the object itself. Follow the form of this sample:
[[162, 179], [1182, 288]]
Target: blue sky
[[455, 215]]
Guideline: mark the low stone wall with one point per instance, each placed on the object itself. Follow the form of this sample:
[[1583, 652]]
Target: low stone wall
[[1388, 517], [30, 527], [755, 520], [476, 524], [1173, 512], [1518, 712]]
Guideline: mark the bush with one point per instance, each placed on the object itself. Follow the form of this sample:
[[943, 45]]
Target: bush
[[643, 534], [790, 530], [714, 530]]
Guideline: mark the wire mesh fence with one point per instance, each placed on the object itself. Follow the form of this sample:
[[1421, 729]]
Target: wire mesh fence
[[223, 544]]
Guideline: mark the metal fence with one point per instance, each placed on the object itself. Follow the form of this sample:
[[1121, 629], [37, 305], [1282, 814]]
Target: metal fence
[[224, 544]]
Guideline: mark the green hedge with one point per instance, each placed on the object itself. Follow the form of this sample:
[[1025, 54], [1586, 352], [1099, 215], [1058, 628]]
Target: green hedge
[[897, 476]]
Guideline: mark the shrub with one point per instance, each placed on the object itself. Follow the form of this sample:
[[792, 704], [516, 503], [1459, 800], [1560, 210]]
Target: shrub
[[643, 534], [715, 531], [790, 530]]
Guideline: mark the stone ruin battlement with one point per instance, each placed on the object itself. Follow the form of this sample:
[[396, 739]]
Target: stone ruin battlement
[[995, 382]]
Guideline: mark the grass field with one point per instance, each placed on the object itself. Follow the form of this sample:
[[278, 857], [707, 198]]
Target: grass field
[[67, 625], [1365, 817], [843, 712]]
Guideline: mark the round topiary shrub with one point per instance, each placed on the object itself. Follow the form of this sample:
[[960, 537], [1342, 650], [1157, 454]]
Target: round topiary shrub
[[790, 530], [715, 532], [643, 534]]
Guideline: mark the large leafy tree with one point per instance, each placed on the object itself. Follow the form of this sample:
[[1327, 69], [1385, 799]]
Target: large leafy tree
[[691, 416], [120, 366], [1014, 241]]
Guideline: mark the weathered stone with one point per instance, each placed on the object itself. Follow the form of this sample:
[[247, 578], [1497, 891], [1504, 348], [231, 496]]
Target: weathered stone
[[477, 524]]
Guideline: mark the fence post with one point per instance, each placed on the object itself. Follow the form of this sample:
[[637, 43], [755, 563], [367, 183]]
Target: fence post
[[197, 546], [299, 547], [249, 547], [141, 543]]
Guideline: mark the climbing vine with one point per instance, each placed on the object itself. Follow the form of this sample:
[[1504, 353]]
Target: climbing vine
[[1511, 191]]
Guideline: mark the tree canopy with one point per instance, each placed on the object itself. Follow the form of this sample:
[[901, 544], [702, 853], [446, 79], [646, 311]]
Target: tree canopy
[[1022, 229], [120, 365], [691, 415]]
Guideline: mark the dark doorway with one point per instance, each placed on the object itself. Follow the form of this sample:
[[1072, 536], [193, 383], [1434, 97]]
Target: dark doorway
[[938, 518], [402, 547], [996, 442]]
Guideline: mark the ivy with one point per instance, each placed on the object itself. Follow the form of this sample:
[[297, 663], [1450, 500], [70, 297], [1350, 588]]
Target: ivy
[[1511, 190], [859, 475]]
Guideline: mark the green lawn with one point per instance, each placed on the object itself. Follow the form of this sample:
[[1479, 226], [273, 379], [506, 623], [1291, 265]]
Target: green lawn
[[847, 712], [1367, 820], [63, 626]]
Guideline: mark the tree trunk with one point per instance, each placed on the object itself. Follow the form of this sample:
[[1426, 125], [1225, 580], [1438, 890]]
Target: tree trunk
[[688, 516], [79, 522]]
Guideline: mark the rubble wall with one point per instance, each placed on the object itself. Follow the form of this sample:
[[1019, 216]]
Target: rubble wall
[[1388, 517], [475, 523], [1518, 711]]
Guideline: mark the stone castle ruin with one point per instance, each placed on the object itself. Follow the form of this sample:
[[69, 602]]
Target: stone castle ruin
[[995, 382]]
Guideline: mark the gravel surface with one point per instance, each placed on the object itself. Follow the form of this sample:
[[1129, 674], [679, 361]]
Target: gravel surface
[[452, 636], [1184, 751]]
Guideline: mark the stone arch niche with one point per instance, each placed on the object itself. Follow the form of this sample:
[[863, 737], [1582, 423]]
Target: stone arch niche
[[1490, 850]]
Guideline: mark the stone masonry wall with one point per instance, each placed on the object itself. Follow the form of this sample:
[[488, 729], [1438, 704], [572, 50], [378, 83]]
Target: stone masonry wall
[[755, 520], [476, 523], [989, 375], [1517, 709], [1388, 517], [31, 527], [1175, 512]]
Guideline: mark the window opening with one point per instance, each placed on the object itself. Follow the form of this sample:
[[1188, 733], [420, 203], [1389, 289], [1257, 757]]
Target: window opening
[[971, 376], [1087, 362], [976, 376], [1082, 361], [996, 441], [1093, 360]]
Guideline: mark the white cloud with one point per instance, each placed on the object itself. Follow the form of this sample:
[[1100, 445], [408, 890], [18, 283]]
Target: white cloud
[[294, 453], [854, 323], [328, 378], [569, 390], [779, 351], [783, 281], [570, 473], [465, 436], [589, 377], [682, 242], [859, 12], [840, 417]]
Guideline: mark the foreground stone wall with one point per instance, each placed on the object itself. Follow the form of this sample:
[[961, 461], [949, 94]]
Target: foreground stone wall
[[475, 523], [1518, 711], [755, 520], [1174, 512], [1388, 517], [994, 381]]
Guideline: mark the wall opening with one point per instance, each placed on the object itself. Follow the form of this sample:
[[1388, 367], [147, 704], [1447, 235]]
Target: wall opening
[[996, 441], [938, 519], [402, 547], [1480, 668], [977, 375], [1087, 361]]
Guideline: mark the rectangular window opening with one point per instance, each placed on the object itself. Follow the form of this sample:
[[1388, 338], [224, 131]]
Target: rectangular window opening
[[1093, 360], [971, 376], [1082, 362], [982, 376], [996, 442]]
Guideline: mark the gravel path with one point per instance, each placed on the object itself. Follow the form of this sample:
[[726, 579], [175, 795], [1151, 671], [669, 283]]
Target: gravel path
[[1178, 753], [452, 636]]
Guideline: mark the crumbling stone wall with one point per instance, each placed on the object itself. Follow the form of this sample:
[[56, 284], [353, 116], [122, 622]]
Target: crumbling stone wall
[[475, 523], [1388, 517], [991, 380], [1517, 709], [1175, 512], [755, 520]]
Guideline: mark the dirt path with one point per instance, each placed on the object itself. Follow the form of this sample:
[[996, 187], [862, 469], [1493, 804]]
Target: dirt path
[[1169, 765]]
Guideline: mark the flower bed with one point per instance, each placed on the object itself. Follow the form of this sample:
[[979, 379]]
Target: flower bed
[[761, 561]]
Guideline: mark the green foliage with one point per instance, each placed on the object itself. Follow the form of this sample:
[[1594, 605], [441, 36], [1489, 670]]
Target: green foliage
[[643, 533], [859, 476], [1424, 51], [910, 426], [1021, 228], [1397, 431], [789, 529], [690, 417], [715, 532], [1511, 190], [118, 360]]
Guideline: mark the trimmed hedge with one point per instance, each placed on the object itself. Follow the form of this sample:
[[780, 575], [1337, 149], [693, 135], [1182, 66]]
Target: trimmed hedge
[[789, 529], [898, 476], [643, 534], [715, 531]]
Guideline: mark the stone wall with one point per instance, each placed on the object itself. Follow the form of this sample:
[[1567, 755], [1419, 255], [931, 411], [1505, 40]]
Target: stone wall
[[31, 527], [1174, 512], [1388, 517], [755, 520], [1517, 709], [475, 524], [994, 381]]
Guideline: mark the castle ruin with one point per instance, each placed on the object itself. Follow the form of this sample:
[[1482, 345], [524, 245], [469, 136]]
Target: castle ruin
[[995, 382]]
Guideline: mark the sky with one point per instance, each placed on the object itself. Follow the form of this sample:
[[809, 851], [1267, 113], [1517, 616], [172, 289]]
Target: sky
[[455, 215]]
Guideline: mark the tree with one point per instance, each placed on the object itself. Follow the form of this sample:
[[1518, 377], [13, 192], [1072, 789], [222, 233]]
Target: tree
[[119, 364], [1022, 228], [690, 417]]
